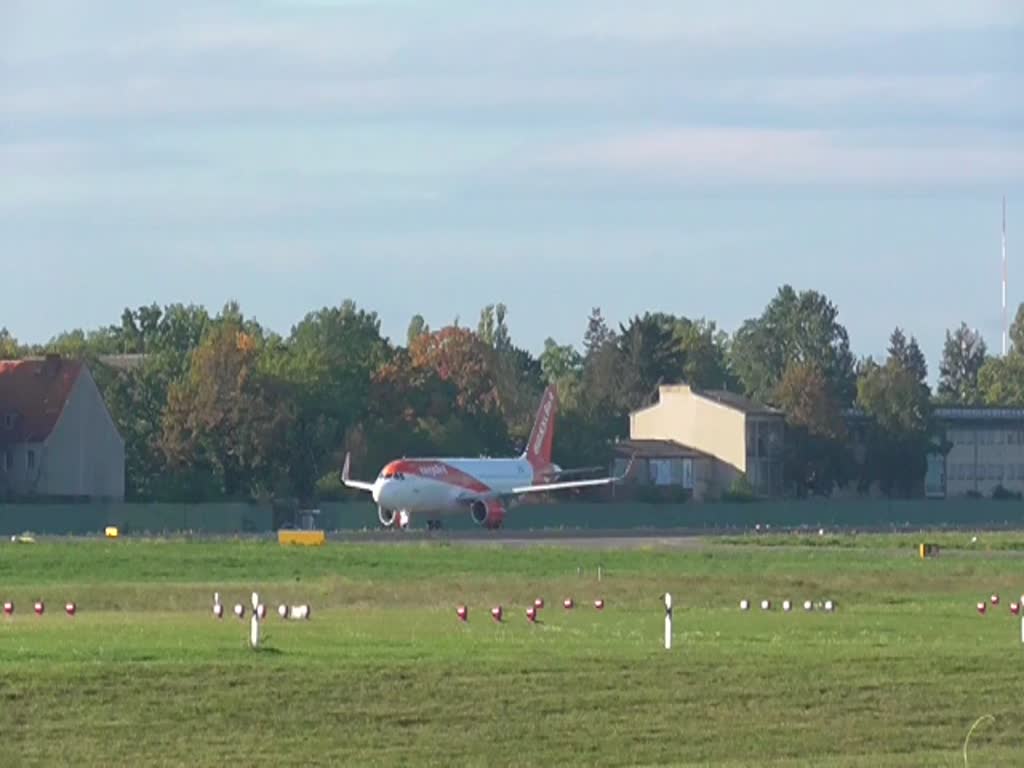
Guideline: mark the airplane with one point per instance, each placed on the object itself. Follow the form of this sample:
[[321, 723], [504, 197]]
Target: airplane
[[446, 486]]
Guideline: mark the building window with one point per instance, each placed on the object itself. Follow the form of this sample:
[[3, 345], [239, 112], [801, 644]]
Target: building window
[[31, 459], [8, 461], [9, 420]]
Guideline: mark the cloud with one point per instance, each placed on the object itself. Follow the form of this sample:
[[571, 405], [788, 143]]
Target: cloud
[[197, 60], [741, 155]]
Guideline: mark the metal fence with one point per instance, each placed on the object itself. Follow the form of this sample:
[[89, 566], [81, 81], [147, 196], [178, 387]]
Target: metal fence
[[72, 519]]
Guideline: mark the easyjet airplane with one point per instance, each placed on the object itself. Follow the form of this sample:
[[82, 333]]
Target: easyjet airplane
[[444, 486]]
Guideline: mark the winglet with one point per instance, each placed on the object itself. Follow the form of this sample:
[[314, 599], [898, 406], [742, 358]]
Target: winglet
[[347, 481], [625, 472]]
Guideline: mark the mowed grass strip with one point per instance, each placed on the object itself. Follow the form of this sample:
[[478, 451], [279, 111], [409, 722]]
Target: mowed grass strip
[[385, 674]]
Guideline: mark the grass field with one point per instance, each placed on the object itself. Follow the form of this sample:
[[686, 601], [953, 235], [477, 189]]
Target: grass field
[[385, 674]]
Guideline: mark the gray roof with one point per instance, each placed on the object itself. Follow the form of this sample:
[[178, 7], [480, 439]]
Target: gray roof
[[965, 413], [737, 401], [968, 413]]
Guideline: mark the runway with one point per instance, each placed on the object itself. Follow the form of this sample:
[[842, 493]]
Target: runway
[[587, 539]]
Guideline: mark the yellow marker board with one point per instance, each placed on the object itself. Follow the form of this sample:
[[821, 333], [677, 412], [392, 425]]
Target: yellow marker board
[[308, 538]]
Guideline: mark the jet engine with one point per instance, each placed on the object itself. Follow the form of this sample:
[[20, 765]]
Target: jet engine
[[390, 517], [488, 515]]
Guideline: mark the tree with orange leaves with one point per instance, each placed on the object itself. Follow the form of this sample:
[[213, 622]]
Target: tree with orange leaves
[[223, 417]]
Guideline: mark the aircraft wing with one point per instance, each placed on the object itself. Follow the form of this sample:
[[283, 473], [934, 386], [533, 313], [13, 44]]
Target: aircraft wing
[[541, 487], [579, 471], [353, 483]]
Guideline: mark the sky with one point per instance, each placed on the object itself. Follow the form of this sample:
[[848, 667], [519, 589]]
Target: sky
[[435, 157]]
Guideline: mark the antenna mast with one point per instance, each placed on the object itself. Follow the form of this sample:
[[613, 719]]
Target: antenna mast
[[1004, 276]]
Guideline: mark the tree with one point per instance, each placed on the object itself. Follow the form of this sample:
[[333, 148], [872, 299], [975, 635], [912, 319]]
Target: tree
[[963, 356], [9, 348], [909, 355], [816, 459], [223, 417], [805, 396], [1001, 380], [325, 371], [136, 398], [597, 333], [459, 356], [794, 328], [1017, 331], [492, 328], [704, 351], [899, 410], [417, 327], [517, 373], [560, 362], [652, 354]]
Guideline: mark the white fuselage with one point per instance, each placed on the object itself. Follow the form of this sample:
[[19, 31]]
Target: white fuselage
[[436, 485]]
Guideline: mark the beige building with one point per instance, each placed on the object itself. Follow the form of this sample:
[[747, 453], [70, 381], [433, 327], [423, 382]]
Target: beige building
[[57, 439], [730, 436], [987, 451]]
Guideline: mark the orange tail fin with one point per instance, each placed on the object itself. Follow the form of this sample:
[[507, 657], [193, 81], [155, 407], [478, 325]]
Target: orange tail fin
[[538, 449]]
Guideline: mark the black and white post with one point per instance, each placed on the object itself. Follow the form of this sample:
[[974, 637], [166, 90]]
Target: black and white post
[[668, 621]]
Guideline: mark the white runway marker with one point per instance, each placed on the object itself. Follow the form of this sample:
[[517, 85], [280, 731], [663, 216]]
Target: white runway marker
[[254, 631], [668, 621]]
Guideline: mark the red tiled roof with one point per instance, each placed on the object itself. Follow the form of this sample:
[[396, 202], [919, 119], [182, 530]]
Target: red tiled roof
[[35, 391]]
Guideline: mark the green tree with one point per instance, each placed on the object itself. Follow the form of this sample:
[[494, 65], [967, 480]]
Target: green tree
[[597, 334], [222, 418], [816, 459], [417, 327], [517, 373], [492, 328], [652, 356], [795, 327], [324, 371], [909, 354], [560, 362], [706, 353], [963, 356], [1017, 331], [1001, 380], [562, 366], [898, 405], [9, 347]]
